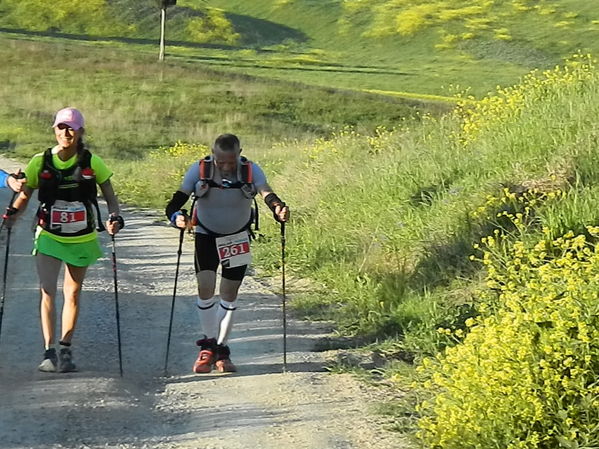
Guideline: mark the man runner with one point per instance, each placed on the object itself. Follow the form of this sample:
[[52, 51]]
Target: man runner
[[224, 185]]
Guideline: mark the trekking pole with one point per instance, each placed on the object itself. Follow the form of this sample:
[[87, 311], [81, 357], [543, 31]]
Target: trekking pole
[[4, 277], [170, 323], [6, 253], [116, 299], [284, 297]]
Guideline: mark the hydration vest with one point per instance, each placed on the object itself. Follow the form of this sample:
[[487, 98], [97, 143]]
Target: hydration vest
[[68, 197], [245, 178], [245, 183]]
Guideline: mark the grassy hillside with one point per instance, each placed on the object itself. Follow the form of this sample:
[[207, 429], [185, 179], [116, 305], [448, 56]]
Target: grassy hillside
[[467, 240], [409, 46], [436, 44], [133, 105], [475, 232]]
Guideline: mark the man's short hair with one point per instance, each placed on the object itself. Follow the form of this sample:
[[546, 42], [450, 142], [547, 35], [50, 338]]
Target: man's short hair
[[227, 142]]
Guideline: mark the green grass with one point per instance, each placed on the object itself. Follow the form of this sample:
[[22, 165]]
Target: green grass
[[398, 208], [321, 43], [387, 222], [479, 64], [395, 203], [384, 217], [134, 105]]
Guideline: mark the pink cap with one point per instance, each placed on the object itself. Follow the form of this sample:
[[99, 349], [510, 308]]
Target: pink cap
[[69, 116]]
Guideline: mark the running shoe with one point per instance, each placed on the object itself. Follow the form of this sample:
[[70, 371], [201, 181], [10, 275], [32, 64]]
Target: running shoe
[[203, 363], [65, 361], [223, 362], [50, 361]]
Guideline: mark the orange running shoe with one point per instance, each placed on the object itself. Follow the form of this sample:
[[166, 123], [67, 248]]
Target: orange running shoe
[[203, 363], [223, 362]]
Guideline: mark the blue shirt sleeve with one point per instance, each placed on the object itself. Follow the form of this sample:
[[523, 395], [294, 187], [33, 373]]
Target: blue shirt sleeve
[[3, 178], [191, 178], [258, 174]]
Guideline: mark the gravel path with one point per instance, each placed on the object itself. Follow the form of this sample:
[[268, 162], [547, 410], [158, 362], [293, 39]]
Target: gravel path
[[258, 407]]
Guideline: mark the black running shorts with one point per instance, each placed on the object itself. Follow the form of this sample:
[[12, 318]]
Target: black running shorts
[[206, 258]]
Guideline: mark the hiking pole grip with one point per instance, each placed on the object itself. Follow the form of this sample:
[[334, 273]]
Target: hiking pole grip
[[116, 297], [284, 296], [170, 323]]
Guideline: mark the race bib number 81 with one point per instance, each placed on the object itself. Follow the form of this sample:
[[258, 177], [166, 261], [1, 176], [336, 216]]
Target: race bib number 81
[[68, 217], [234, 250]]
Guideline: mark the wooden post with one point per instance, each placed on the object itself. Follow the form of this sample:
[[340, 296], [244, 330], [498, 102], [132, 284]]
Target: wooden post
[[162, 31]]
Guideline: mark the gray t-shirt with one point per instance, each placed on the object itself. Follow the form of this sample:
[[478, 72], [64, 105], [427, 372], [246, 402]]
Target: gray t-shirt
[[222, 210]]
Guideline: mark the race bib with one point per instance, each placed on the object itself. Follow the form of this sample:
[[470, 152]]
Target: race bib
[[234, 250], [68, 217]]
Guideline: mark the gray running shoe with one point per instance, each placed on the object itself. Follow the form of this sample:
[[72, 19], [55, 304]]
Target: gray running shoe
[[65, 361], [50, 361]]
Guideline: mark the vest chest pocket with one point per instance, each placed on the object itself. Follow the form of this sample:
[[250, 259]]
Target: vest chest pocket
[[68, 217]]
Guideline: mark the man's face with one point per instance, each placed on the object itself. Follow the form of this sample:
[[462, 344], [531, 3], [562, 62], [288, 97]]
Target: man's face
[[226, 161]]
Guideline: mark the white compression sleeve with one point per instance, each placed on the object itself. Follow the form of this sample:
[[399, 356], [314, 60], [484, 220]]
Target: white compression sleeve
[[224, 316]]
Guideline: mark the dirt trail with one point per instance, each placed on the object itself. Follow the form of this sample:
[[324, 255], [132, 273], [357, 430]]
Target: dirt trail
[[258, 407]]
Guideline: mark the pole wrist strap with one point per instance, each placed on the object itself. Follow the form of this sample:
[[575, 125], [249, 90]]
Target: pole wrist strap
[[272, 201]]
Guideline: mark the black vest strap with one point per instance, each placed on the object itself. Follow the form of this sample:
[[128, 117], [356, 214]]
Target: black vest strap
[[76, 183], [206, 169]]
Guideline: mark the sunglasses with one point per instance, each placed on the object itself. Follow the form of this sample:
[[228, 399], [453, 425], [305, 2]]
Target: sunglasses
[[63, 126]]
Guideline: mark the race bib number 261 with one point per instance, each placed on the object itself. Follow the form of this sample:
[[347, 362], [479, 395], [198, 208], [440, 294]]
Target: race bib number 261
[[234, 250]]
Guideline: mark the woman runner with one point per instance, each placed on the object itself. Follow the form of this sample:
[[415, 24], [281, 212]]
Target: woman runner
[[65, 177]]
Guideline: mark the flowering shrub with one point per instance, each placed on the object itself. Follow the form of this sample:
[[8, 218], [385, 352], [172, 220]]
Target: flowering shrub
[[526, 374], [506, 105], [75, 16], [409, 17], [160, 173], [212, 27]]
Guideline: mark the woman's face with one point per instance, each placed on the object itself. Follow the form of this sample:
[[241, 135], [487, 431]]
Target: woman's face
[[67, 137]]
